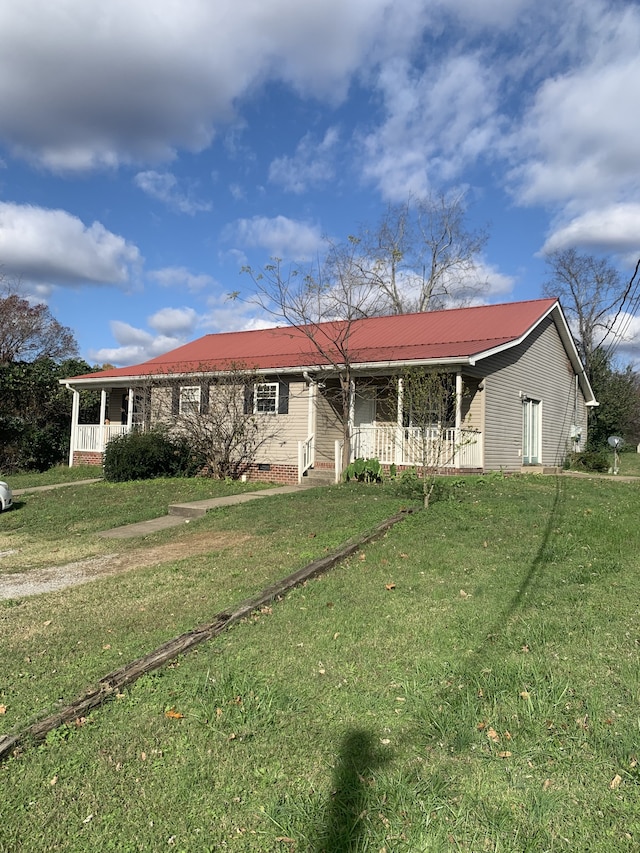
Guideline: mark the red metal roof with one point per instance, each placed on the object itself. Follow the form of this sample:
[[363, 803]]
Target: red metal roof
[[457, 333]]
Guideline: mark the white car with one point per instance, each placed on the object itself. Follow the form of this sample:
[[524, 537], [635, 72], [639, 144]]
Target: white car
[[6, 496]]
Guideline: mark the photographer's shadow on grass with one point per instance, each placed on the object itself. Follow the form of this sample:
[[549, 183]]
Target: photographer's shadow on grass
[[360, 754]]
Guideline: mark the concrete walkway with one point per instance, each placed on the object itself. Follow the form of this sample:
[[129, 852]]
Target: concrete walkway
[[184, 512], [18, 492]]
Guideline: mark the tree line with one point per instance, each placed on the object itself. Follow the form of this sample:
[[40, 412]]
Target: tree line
[[35, 410]]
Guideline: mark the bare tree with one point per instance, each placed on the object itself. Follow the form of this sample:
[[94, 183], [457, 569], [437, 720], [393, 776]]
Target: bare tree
[[422, 256], [224, 417], [599, 305], [323, 301], [29, 332], [429, 402], [594, 297]]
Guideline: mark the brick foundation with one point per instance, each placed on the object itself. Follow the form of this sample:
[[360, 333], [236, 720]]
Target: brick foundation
[[87, 457], [286, 475]]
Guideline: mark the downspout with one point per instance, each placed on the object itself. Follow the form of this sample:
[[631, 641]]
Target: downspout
[[457, 437]]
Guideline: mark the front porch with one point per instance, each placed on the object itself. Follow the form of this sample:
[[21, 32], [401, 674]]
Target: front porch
[[379, 428], [453, 448]]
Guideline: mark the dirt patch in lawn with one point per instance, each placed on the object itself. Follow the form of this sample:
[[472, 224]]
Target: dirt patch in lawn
[[36, 581]]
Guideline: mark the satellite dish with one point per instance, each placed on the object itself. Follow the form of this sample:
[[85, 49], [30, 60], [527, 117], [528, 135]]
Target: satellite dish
[[616, 442]]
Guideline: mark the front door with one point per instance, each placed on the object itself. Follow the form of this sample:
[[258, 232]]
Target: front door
[[364, 414], [530, 432]]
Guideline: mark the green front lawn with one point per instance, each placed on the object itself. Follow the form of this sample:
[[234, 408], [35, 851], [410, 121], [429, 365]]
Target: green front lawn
[[468, 683]]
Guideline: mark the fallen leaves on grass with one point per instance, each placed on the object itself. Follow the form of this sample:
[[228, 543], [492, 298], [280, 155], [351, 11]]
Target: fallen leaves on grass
[[615, 782], [389, 586], [3, 709], [172, 714]]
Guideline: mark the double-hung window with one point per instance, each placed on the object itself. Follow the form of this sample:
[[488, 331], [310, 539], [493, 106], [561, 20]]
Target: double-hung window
[[189, 399], [265, 398]]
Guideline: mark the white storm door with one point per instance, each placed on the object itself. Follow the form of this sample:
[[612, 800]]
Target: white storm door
[[530, 432], [364, 413]]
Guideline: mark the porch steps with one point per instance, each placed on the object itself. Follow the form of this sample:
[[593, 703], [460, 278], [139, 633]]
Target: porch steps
[[540, 469], [318, 477]]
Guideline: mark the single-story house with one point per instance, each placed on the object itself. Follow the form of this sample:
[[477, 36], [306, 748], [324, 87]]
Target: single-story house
[[520, 390]]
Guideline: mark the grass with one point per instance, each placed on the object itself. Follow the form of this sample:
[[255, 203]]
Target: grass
[[630, 463], [56, 527], [468, 683], [57, 474]]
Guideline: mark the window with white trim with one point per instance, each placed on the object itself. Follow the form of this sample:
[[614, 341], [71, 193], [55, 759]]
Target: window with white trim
[[265, 398], [189, 399]]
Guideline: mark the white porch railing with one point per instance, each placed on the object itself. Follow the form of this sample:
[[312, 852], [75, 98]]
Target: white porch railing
[[448, 448], [306, 456], [95, 437]]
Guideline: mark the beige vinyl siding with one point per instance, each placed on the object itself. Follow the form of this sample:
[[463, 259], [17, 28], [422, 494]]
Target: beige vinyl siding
[[540, 369], [114, 407], [472, 403], [287, 429], [161, 402], [328, 422], [291, 428]]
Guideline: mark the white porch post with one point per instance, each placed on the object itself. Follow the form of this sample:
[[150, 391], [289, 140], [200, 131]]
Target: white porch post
[[399, 422], [311, 417], [103, 417], [130, 410], [352, 414], [75, 415]]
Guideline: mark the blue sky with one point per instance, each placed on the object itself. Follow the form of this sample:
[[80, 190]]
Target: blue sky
[[149, 149]]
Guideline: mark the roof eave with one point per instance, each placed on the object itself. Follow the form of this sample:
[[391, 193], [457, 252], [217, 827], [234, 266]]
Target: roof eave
[[127, 381]]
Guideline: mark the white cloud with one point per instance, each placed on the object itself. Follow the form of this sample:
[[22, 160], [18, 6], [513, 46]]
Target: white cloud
[[438, 122], [135, 345], [84, 85], [174, 321], [624, 341], [182, 278], [487, 13], [311, 165], [53, 247], [614, 229], [582, 133], [576, 144], [234, 315], [163, 186], [497, 283], [279, 236]]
